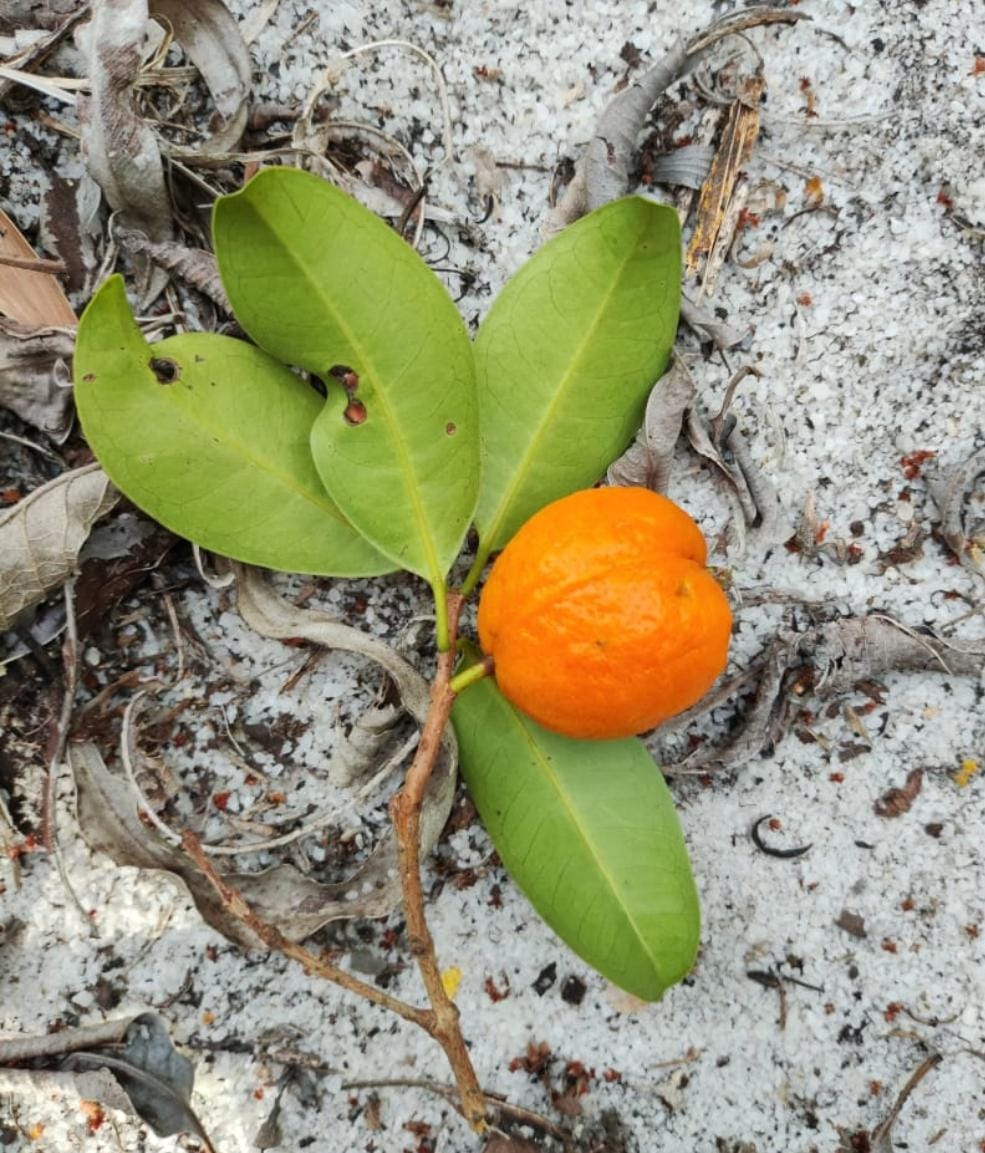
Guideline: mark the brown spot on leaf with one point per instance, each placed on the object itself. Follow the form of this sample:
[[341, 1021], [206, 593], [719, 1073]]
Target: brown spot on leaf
[[451, 428], [166, 370], [354, 412], [89, 377]]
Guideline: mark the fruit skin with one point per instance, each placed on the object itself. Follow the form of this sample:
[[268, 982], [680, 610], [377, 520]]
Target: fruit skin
[[600, 616]]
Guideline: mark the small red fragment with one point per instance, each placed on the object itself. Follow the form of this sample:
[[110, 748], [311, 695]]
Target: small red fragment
[[913, 462], [805, 299], [94, 1115], [893, 1010], [978, 66], [889, 945], [221, 801]]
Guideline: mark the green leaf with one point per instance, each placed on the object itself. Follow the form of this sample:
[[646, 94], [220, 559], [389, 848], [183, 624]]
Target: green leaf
[[209, 436], [319, 281], [588, 831], [567, 356]]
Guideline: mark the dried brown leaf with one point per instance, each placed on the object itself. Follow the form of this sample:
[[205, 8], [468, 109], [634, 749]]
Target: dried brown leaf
[[149, 1077], [602, 174], [119, 148], [897, 801], [826, 662], [32, 298], [951, 494], [737, 141], [35, 376], [40, 538], [195, 266], [648, 460], [213, 42], [71, 229], [110, 822]]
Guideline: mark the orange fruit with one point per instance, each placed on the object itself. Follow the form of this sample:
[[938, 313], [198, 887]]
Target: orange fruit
[[600, 616]]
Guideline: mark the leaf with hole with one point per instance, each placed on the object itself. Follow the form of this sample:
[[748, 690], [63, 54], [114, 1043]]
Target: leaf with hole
[[209, 435], [566, 357], [320, 282], [588, 831]]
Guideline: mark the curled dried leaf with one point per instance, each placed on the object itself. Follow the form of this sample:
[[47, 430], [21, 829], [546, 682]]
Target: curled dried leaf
[[825, 662], [40, 538], [648, 460], [195, 266], [35, 375], [119, 148], [128, 1063], [951, 494], [298, 906], [602, 174], [213, 42]]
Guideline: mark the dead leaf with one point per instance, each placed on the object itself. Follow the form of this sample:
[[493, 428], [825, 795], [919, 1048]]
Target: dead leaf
[[951, 494], [602, 174], [851, 923], [150, 1078], [648, 460], [212, 40], [823, 663], [196, 266], [737, 141], [32, 298], [110, 822], [70, 228], [40, 537], [896, 802], [35, 376], [119, 148]]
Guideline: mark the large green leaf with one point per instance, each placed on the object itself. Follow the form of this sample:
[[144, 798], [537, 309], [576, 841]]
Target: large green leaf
[[209, 435], [588, 831], [319, 281], [567, 356]]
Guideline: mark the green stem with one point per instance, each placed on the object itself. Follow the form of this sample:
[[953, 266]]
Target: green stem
[[441, 614], [473, 673], [475, 571]]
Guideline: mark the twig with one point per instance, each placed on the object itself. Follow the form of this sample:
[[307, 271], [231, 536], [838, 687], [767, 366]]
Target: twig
[[275, 940], [52, 267], [440, 1021], [881, 1137], [405, 813], [449, 1093]]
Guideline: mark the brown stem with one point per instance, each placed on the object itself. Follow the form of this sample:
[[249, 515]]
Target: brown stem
[[405, 812], [441, 1019], [233, 902], [27, 264]]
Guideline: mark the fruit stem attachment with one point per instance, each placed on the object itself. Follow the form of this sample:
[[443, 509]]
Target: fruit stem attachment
[[473, 673], [475, 571]]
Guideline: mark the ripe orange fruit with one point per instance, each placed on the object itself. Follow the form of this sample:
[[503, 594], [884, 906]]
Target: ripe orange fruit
[[600, 616]]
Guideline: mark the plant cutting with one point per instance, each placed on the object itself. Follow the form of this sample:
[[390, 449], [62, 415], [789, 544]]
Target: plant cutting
[[403, 435]]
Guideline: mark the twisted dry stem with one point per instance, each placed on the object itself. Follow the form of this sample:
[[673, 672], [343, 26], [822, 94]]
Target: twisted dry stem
[[441, 1019]]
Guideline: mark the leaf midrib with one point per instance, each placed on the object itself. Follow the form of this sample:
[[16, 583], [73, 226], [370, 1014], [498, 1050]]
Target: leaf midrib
[[560, 394], [410, 477], [579, 826]]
